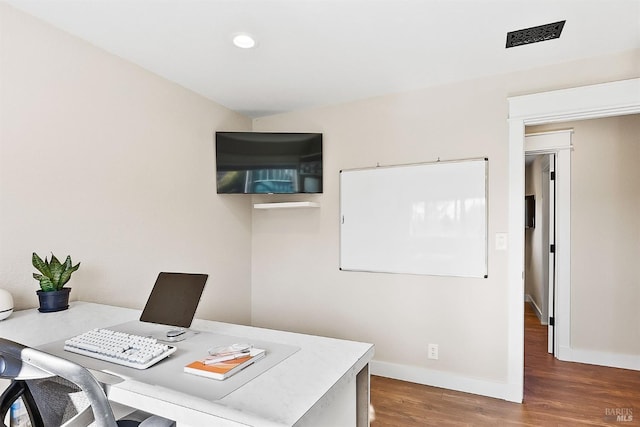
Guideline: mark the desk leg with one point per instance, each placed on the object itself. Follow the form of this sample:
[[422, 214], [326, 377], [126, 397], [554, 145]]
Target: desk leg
[[362, 397]]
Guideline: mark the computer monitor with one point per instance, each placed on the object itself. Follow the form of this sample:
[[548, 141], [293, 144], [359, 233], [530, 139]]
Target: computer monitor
[[173, 300]]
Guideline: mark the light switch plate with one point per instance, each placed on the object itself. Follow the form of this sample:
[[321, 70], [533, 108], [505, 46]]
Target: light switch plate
[[501, 241]]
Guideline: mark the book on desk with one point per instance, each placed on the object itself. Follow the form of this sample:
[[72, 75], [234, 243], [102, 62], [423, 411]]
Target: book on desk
[[224, 369]]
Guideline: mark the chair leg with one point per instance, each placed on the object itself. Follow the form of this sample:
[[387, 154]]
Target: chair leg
[[10, 395], [32, 408], [16, 390]]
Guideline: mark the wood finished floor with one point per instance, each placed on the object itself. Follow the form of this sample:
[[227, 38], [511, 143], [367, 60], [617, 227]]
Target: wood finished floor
[[556, 393]]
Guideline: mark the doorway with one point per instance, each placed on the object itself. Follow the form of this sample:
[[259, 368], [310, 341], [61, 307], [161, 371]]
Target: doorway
[[539, 240], [548, 260], [601, 100]]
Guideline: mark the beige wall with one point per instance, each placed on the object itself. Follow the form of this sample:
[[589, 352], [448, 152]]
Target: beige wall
[[296, 281], [107, 162], [605, 234]]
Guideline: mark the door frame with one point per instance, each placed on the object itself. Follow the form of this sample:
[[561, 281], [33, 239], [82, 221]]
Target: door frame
[[580, 103], [559, 144]]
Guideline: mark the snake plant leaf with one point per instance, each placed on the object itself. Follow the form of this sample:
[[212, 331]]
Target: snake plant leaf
[[54, 262], [56, 271], [47, 285], [66, 275], [41, 266]]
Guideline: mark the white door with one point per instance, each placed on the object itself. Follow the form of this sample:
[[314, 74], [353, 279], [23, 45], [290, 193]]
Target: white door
[[552, 255]]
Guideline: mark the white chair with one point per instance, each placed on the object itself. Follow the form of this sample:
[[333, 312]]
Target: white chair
[[58, 392]]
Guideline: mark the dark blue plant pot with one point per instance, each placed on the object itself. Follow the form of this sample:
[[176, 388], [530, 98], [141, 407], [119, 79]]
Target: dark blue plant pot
[[53, 301]]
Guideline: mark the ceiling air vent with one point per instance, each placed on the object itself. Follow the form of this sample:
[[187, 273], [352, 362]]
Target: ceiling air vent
[[534, 34]]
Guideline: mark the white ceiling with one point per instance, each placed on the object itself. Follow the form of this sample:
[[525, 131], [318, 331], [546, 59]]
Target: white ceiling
[[322, 52]]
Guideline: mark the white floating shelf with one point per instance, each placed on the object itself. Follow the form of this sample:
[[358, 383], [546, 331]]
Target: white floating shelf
[[284, 205]]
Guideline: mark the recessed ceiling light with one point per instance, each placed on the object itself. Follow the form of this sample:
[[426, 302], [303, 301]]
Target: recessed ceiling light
[[243, 41]]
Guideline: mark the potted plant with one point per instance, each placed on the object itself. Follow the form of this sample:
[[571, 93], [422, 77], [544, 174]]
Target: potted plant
[[53, 276]]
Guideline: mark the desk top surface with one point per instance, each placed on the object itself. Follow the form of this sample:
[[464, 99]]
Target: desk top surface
[[280, 396]]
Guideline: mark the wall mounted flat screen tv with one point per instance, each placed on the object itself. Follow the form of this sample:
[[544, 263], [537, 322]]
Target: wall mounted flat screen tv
[[268, 163]]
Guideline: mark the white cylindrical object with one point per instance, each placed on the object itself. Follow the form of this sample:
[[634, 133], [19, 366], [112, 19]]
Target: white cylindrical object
[[6, 304], [18, 414]]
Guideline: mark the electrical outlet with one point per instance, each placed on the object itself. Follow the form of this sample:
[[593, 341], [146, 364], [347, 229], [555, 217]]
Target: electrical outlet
[[432, 352]]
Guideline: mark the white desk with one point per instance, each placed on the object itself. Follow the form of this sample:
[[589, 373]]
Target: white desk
[[325, 383]]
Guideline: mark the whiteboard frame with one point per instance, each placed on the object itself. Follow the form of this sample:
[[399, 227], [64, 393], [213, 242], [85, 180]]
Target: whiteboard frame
[[432, 163]]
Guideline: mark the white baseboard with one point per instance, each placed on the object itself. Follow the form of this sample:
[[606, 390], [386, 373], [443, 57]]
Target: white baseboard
[[446, 380], [601, 358], [528, 298], [435, 378]]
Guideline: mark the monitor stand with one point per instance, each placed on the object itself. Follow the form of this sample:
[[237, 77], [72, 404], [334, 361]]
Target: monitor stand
[[174, 334]]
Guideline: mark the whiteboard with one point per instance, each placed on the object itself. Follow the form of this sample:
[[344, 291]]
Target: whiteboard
[[428, 218]]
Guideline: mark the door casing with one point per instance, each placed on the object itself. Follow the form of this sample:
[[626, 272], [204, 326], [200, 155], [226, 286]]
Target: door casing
[[586, 102]]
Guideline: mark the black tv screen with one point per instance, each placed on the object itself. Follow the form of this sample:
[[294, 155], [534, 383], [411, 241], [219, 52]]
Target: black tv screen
[[268, 163]]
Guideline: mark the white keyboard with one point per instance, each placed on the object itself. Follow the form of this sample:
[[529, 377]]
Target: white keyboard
[[134, 351]]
